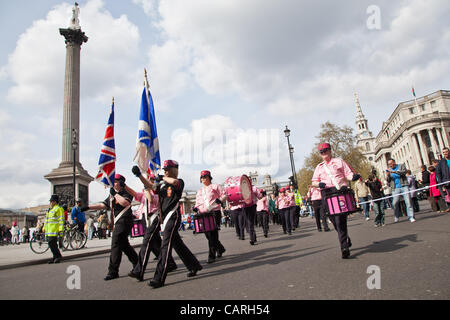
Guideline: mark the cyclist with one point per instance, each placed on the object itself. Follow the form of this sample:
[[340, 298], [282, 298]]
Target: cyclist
[[78, 216]]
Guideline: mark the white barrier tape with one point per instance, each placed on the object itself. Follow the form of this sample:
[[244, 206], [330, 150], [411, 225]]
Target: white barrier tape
[[400, 194]]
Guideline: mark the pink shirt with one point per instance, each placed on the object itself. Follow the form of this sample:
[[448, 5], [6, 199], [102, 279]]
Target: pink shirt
[[282, 202], [290, 199], [206, 196], [262, 205], [339, 169], [314, 194], [153, 205], [238, 206]]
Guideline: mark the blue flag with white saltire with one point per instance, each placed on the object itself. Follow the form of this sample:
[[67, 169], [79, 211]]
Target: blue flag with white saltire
[[107, 160], [147, 145]]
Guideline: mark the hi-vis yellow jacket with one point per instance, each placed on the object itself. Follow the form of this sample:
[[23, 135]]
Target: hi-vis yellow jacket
[[298, 198], [54, 221]]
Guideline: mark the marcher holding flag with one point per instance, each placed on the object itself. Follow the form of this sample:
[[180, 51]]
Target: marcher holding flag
[[119, 202]]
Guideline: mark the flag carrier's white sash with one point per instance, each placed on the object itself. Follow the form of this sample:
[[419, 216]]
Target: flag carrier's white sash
[[163, 225]]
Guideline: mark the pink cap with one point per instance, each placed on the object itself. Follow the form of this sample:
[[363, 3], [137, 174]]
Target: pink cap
[[323, 146]]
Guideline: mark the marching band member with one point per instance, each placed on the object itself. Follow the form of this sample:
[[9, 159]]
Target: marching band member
[[170, 191], [292, 206], [149, 211], [283, 204], [250, 213], [334, 172], [208, 201], [262, 209], [319, 213], [238, 216], [119, 202]]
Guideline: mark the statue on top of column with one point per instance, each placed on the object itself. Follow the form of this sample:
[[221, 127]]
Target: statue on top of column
[[74, 21]]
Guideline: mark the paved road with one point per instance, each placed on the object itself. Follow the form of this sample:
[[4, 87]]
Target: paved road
[[412, 258]]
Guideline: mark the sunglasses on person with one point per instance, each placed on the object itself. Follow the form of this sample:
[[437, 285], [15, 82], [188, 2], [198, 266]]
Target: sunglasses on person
[[324, 151]]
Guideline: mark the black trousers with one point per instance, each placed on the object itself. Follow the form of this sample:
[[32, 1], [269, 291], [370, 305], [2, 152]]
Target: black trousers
[[264, 216], [292, 213], [287, 219], [235, 219], [151, 243], [250, 213], [171, 239], [319, 214], [215, 246], [119, 244], [282, 219], [53, 244], [242, 223], [339, 222]]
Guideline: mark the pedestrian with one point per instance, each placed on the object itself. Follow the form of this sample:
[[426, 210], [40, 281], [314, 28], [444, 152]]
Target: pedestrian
[[15, 233], [208, 201], [387, 190], [334, 172], [273, 210], [436, 199], [376, 191], [78, 217], [91, 227], [170, 190], [396, 177], [53, 226], [362, 196], [148, 211], [319, 212], [119, 202], [262, 209], [443, 175], [412, 185]]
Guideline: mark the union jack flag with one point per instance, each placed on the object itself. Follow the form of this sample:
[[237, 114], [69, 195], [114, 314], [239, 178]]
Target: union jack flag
[[107, 161]]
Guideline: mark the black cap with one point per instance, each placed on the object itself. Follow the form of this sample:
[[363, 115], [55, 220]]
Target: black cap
[[54, 197]]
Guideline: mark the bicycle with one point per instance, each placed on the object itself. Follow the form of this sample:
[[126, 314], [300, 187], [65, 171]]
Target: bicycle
[[39, 243], [77, 237]]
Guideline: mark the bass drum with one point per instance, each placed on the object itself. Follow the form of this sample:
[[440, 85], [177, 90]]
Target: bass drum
[[238, 190]]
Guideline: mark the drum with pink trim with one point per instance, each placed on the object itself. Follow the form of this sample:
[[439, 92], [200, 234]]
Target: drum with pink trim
[[204, 222], [339, 201], [239, 190], [138, 228]]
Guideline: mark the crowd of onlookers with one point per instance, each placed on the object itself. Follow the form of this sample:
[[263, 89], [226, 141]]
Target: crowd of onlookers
[[13, 234]]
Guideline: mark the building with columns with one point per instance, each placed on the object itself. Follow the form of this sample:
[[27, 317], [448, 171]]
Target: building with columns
[[415, 133]]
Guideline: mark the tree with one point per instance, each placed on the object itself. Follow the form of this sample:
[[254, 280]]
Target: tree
[[343, 145]]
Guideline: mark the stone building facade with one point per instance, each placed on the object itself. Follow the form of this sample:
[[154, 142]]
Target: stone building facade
[[414, 134]]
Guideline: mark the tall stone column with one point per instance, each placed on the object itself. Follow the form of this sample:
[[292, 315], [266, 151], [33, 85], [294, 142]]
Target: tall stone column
[[70, 168], [423, 149], [416, 149], [433, 144], [439, 137]]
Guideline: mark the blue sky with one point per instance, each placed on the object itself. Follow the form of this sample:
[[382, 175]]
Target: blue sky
[[235, 70]]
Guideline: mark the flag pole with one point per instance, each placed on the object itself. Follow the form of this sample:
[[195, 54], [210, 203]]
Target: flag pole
[[146, 85]]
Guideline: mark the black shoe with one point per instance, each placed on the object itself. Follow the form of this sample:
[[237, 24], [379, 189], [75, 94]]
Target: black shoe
[[211, 260], [155, 284], [57, 260], [345, 253], [110, 276], [327, 229], [134, 275], [320, 230], [265, 235], [51, 261], [220, 253], [290, 233], [172, 268], [193, 273], [252, 243]]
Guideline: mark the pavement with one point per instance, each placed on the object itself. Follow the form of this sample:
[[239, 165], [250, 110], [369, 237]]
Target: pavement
[[14, 256]]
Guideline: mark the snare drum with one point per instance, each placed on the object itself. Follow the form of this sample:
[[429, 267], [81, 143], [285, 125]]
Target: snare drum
[[238, 190], [138, 228], [339, 201], [204, 222]]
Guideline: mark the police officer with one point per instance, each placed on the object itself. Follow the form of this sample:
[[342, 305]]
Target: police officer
[[119, 202], [54, 224]]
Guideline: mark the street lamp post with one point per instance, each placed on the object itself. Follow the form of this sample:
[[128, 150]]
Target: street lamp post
[[74, 147], [287, 133]]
